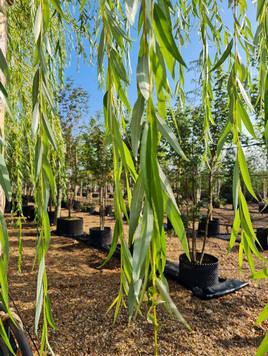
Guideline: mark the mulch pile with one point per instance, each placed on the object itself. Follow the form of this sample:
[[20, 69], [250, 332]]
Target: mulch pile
[[81, 293]]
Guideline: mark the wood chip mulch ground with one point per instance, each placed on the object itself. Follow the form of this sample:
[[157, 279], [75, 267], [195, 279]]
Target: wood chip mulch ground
[[80, 294]]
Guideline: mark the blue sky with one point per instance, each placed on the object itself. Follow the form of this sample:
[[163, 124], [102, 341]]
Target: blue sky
[[86, 76]]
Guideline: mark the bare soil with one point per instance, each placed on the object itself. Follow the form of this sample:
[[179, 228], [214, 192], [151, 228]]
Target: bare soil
[[81, 293]]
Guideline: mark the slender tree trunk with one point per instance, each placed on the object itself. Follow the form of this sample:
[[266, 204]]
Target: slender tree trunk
[[3, 46], [210, 210], [101, 207], [58, 207]]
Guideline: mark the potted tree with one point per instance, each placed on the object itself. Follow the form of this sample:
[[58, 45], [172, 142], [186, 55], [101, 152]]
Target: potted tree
[[72, 106], [202, 270], [96, 156]]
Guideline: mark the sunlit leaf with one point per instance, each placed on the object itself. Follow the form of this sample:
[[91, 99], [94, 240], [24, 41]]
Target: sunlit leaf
[[166, 297], [264, 314], [37, 22], [169, 135], [131, 10], [224, 55], [261, 274], [136, 124], [244, 171], [39, 293], [164, 34], [142, 75], [4, 178]]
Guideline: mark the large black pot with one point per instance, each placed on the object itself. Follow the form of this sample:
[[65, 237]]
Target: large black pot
[[262, 236], [29, 212], [213, 227], [95, 195], [203, 275], [51, 216], [17, 338], [100, 238], [64, 204], [108, 210], [8, 207], [70, 226], [76, 205]]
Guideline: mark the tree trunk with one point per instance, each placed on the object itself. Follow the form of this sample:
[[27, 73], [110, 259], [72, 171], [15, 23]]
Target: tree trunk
[[58, 207], [3, 46], [102, 209]]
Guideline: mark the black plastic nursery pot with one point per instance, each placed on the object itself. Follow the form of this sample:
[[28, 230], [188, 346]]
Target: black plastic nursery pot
[[51, 216], [108, 210], [95, 195], [203, 275], [91, 209], [70, 226], [29, 212], [100, 238], [262, 236], [76, 205], [213, 227], [64, 204], [8, 207]]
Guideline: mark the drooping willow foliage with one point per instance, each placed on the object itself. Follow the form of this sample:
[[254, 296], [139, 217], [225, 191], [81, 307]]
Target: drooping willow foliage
[[39, 31]]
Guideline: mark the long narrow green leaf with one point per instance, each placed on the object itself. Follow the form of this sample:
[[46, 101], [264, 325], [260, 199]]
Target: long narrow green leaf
[[264, 314], [263, 348], [245, 118], [266, 96], [142, 75], [224, 55], [118, 68], [172, 307], [101, 51], [49, 313], [136, 124], [49, 131], [260, 8], [223, 137], [175, 219], [131, 10], [82, 5], [37, 158], [245, 95], [48, 172], [244, 171], [37, 23], [4, 178], [35, 88], [142, 242], [3, 65], [5, 338], [260, 274], [135, 208], [39, 292], [4, 97], [56, 4], [35, 119], [169, 135], [236, 185], [235, 230], [163, 32]]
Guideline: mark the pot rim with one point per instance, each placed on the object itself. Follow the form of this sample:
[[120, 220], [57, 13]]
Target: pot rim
[[72, 218], [97, 228], [183, 258]]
